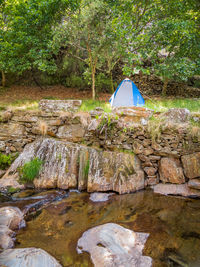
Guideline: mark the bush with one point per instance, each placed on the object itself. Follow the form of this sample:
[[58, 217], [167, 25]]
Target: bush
[[5, 161], [75, 81], [30, 170]]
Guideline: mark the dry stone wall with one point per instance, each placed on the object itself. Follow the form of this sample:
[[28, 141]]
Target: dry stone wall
[[167, 152]]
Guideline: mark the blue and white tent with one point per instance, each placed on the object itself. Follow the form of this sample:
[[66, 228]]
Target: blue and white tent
[[126, 95]]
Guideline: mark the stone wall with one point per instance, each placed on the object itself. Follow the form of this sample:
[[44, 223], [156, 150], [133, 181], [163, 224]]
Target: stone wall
[[169, 153]]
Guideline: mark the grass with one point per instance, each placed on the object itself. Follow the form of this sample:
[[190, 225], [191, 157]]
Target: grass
[[158, 105], [30, 170], [164, 104], [88, 105]]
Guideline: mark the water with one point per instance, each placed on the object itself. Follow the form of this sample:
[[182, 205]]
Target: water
[[173, 224]]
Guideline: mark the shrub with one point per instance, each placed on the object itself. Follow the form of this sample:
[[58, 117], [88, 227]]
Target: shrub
[[30, 170], [5, 161]]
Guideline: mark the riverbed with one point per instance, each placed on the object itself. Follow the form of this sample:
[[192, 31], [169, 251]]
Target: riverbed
[[172, 222]]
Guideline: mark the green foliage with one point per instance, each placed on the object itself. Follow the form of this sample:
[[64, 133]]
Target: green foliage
[[26, 34], [5, 161], [86, 168], [30, 170], [75, 81]]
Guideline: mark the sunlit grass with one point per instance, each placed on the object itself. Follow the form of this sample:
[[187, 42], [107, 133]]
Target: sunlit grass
[[158, 105], [162, 105], [88, 105]]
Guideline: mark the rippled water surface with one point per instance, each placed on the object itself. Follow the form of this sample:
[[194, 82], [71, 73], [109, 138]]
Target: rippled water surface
[[173, 224]]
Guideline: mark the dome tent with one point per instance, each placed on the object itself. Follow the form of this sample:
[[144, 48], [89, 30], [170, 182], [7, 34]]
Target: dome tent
[[127, 95]]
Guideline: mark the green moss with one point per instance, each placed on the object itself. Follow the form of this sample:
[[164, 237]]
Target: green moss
[[30, 170], [12, 190]]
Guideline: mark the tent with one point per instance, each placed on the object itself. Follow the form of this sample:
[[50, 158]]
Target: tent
[[126, 95]]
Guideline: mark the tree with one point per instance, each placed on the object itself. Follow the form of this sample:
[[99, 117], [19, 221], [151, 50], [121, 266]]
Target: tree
[[88, 35], [25, 34], [153, 27]]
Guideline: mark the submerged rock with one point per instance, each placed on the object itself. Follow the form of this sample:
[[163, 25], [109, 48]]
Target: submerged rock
[[100, 197], [113, 245], [67, 165], [27, 257]]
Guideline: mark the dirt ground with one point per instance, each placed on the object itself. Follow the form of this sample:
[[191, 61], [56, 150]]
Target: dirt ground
[[33, 93]]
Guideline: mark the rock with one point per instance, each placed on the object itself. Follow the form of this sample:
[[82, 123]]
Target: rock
[[176, 189], [11, 130], [100, 197], [138, 148], [12, 217], [152, 180], [194, 183], [6, 115], [6, 237], [150, 171], [111, 171], [2, 172], [72, 133], [148, 151], [113, 245], [27, 257], [68, 165], [2, 146], [94, 124], [59, 105], [133, 114], [177, 115], [82, 117], [191, 165], [10, 181], [170, 170]]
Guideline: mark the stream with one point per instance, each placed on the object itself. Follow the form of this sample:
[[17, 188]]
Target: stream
[[57, 219]]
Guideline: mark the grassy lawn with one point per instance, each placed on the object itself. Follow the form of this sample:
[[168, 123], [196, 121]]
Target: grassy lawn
[[160, 105]]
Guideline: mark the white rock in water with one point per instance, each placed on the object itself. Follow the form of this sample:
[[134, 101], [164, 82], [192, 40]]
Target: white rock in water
[[12, 217], [112, 245], [100, 197], [27, 257]]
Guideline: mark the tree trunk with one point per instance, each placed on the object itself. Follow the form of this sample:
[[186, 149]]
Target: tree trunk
[[3, 78], [164, 89], [93, 83], [111, 82]]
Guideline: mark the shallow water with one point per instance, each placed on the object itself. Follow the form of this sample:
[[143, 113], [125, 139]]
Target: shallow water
[[173, 224]]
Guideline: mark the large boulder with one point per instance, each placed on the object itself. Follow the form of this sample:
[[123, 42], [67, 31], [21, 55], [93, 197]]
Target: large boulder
[[113, 245], [170, 171], [191, 165], [176, 189], [27, 257], [68, 165], [109, 171]]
